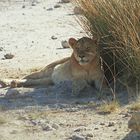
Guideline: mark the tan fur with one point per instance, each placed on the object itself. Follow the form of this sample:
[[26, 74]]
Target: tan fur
[[84, 64]]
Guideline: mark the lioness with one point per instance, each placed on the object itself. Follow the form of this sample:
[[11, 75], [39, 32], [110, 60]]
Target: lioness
[[83, 64]]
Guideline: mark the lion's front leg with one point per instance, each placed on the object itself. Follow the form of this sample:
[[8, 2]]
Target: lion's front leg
[[78, 86], [101, 84], [46, 81], [102, 87], [13, 83], [10, 82]]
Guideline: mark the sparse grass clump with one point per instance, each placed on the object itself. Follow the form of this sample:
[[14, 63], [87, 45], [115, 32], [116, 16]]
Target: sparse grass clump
[[116, 24], [110, 107], [2, 120], [135, 107]]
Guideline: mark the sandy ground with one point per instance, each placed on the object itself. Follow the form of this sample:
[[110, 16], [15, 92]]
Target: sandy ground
[[48, 113], [27, 33]]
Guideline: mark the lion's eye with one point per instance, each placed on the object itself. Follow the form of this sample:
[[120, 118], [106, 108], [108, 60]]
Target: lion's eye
[[77, 49]]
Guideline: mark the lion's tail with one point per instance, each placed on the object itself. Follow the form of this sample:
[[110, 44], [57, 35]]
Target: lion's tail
[[58, 62]]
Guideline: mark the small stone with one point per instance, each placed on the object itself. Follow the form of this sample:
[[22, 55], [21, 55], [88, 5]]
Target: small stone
[[55, 126], [65, 44], [65, 1], [96, 128], [53, 37], [89, 135], [102, 123], [80, 129], [57, 6], [126, 115], [77, 130], [1, 48], [47, 128], [111, 124], [77, 137], [49, 9], [23, 6], [33, 122], [115, 130], [8, 56], [33, 4]]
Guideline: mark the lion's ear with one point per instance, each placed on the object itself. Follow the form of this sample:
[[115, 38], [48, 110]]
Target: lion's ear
[[72, 41]]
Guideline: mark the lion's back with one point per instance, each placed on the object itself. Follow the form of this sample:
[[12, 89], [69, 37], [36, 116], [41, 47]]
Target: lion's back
[[62, 73]]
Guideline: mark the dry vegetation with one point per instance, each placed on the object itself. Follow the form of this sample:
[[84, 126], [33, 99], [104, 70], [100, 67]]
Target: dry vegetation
[[116, 25], [2, 120], [110, 107], [135, 106]]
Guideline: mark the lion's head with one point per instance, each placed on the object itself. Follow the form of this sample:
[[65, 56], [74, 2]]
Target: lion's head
[[84, 50]]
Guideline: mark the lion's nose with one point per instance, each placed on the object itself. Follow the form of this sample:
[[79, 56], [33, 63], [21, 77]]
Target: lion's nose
[[81, 56]]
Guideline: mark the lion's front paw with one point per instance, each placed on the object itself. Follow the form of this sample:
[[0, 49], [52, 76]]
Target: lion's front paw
[[13, 84], [78, 86]]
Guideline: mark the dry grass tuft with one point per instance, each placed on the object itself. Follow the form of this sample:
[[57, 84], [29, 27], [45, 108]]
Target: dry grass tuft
[[110, 107], [2, 120], [135, 107], [116, 24]]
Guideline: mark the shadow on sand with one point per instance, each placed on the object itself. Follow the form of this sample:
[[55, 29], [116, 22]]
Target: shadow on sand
[[132, 136], [59, 96]]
